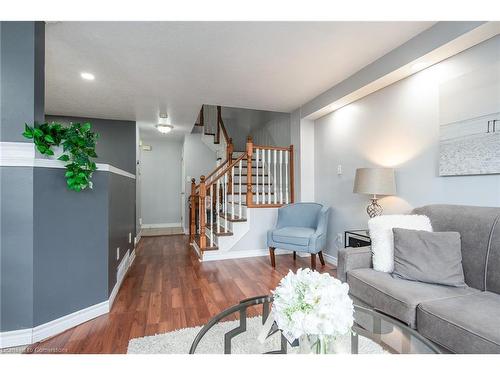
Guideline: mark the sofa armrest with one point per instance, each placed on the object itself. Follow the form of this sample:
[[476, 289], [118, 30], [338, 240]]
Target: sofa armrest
[[352, 258]]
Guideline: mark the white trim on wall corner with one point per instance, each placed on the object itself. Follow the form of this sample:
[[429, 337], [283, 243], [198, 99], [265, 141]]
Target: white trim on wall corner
[[22, 154], [160, 225]]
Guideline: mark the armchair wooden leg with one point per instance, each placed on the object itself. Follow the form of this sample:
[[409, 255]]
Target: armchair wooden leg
[[313, 261], [294, 255], [273, 258], [321, 259]]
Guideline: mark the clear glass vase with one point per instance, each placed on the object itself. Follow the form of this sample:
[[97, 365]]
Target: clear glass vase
[[317, 344]]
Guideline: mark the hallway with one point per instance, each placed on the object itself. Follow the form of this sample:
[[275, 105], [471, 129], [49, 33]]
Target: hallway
[[167, 288]]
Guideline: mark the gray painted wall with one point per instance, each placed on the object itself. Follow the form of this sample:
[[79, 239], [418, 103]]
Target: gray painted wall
[[198, 160], [121, 219], [398, 127], [21, 100], [22, 77], [116, 143], [16, 248], [71, 245], [160, 181], [271, 128]]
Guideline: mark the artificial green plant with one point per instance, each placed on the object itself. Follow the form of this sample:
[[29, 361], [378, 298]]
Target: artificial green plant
[[78, 142]]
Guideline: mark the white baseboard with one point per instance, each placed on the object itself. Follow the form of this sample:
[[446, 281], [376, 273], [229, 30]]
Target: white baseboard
[[122, 271], [160, 225], [54, 327], [16, 338], [215, 255], [330, 259], [59, 325]]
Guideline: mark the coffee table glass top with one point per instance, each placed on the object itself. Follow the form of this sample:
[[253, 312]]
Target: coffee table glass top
[[233, 331]]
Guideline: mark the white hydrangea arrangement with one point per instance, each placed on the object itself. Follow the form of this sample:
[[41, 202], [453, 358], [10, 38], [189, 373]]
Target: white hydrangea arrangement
[[313, 304]]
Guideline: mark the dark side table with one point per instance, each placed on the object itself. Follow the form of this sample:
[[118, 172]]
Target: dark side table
[[357, 238]]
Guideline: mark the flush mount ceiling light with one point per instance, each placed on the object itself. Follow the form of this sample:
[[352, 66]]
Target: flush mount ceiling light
[[87, 76], [164, 129], [163, 120]]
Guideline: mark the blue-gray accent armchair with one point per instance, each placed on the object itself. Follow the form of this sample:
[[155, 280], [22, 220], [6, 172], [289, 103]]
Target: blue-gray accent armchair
[[300, 227]]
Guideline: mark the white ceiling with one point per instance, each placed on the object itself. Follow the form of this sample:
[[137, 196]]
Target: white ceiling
[[142, 68]]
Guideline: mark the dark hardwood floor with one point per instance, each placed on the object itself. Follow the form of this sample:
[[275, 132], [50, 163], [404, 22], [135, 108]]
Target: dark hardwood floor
[[167, 288]]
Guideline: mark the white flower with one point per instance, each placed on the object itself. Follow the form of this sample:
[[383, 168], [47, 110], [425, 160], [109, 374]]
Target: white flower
[[311, 303]]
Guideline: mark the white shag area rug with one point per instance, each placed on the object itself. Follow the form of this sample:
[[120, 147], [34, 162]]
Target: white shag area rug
[[179, 342]]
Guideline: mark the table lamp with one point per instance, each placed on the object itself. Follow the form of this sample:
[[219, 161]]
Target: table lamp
[[374, 182]]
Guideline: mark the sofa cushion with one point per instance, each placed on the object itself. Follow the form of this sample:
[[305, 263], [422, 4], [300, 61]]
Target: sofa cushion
[[382, 238], [293, 235], [475, 225], [466, 324], [430, 257], [398, 298]]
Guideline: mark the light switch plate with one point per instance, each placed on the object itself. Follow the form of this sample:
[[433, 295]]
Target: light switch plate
[[129, 237], [117, 253]]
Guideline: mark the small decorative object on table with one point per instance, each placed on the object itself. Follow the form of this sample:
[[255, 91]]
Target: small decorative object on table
[[357, 238], [314, 308]]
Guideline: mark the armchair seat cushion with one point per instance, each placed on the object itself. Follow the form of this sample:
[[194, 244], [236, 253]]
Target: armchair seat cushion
[[396, 297], [299, 236]]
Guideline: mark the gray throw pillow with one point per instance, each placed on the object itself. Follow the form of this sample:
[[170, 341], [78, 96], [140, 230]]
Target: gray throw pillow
[[429, 257]]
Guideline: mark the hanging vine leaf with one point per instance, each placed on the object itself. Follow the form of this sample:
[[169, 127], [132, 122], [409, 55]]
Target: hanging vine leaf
[[78, 143]]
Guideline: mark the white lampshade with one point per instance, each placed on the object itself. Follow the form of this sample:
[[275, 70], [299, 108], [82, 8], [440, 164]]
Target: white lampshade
[[375, 181]]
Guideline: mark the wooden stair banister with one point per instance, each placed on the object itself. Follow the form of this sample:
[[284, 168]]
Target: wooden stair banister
[[249, 155], [203, 194], [192, 211], [224, 195]]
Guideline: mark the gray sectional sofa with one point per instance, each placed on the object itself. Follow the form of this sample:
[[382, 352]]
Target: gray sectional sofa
[[460, 320]]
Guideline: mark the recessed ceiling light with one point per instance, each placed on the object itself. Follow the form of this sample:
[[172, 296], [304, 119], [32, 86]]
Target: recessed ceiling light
[[87, 76], [164, 129], [419, 66]]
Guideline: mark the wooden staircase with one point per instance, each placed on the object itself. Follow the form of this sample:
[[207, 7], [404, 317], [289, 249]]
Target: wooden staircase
[[258, 177]]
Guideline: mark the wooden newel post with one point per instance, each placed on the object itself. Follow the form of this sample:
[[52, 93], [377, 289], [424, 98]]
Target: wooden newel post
[[203, 194], [292, 178], [249, 171], [229, 158], [192, 211]]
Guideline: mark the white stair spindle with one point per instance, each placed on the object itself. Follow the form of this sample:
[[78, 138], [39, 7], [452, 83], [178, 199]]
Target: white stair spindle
[[263, 188], [269, 177], [199, 215], [211, 216], [217, 205], [239, 181], [226, 188], [274, 178], [232, 192], [257, 152], [286, 177], [281, 176]]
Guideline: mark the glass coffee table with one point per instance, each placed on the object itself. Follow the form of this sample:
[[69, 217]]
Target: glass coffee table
[[372, 333]]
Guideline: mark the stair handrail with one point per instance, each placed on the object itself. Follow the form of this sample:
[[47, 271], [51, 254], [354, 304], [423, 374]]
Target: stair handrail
[[221, 127], [225, 170]]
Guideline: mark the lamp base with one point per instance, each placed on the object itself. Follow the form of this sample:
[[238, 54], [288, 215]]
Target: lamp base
[[374, 209]]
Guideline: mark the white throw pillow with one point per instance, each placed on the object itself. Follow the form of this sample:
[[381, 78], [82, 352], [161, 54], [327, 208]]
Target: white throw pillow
[[382, 238]]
